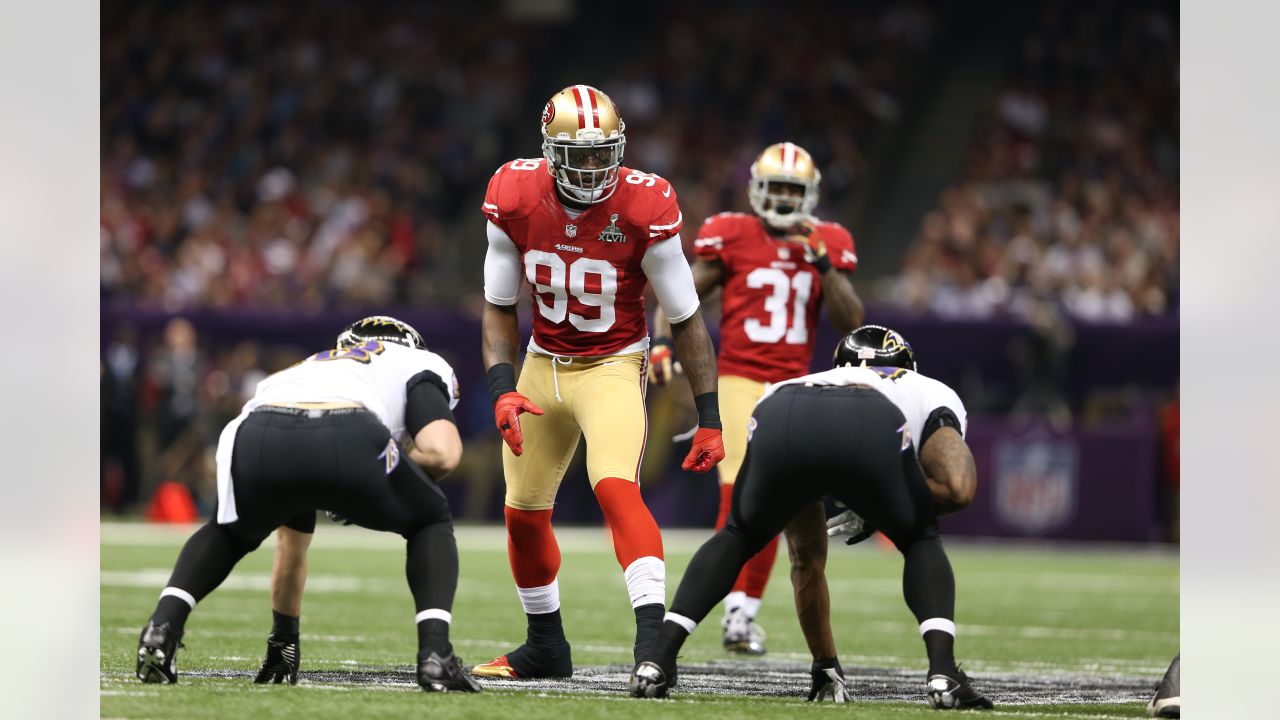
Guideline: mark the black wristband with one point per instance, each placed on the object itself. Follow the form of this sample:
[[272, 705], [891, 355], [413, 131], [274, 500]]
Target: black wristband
[[502, 380], [822, 264], [708, 410], [662, 340]]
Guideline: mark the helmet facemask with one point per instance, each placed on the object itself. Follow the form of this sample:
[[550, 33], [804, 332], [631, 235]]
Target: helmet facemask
[[585, 168], [774, 199]]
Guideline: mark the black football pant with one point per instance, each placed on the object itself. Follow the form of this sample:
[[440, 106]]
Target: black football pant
[[811, 442], [287, 464]]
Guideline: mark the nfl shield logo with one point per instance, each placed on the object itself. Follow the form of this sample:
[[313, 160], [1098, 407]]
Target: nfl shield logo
[[571, 230], [1035, 484], [784, 253]]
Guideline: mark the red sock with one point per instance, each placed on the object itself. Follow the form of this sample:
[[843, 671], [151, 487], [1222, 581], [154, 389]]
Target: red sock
[[635, 532], [755, 574], [531, 547], [726, 500]]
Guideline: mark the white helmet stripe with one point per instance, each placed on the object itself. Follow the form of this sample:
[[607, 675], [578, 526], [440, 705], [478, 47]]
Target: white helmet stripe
[[788, 157]]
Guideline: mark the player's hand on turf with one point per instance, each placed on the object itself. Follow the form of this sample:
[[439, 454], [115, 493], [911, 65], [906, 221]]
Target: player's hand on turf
[[707, 450], [281, 662], [507, 416], [660, 361], [851, 524], [827, 682]]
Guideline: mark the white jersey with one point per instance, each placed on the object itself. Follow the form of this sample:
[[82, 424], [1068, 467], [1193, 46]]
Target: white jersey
[[375, 374], [915, 395]]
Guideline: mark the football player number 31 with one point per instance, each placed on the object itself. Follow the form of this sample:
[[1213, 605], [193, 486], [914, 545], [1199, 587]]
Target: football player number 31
[[785, 293], [572, 280]]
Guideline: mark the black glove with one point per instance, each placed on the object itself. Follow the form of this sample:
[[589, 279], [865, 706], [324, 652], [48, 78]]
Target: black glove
[[283, 657], [827, 678]]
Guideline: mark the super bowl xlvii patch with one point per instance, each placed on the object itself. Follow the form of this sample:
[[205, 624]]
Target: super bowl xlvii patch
[[612, 234], [391, 455]]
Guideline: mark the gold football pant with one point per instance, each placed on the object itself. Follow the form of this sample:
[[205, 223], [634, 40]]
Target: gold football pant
[[599, 398]]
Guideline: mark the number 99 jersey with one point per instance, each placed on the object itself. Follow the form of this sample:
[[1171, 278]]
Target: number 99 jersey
[[586, 273], [770, 294]]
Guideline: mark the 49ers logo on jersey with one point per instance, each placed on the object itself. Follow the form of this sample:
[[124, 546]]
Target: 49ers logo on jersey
[[548, 113]]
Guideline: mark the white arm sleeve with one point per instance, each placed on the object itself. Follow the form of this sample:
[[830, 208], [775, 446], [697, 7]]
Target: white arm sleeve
[[501, 268], [672, 280]]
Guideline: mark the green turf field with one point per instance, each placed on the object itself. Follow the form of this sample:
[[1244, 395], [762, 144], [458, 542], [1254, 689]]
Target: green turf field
[[1077, 633]]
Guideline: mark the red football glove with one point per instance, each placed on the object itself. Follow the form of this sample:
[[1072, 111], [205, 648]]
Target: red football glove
[[815, 250], [506, 413], [707, 450]]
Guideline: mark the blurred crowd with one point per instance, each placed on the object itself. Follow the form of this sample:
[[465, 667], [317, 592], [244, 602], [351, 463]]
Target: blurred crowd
[[1068, 203], [298, 155]]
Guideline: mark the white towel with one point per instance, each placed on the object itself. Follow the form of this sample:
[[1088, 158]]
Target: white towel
[[226, 492]]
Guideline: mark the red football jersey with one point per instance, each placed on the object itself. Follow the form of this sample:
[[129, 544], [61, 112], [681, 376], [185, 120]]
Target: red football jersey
[[770, 294], [588, 286]]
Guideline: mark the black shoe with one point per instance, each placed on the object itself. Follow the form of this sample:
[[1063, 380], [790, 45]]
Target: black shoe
[[283, 657], [530, 661], [954, 692], [1167, 702], [649, 680], [442, 674], [157, 650]]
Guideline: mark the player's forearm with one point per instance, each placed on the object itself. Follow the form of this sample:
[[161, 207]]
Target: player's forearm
[[807, 546], [289, 571], [500, 333], [696, 353], [842, 301], [949, 470]]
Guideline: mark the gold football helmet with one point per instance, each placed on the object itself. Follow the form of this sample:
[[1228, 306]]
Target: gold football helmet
[[784, 185], [582, 139]]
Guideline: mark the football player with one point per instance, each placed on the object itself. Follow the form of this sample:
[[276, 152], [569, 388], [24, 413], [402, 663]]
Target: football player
[[587, 233], [775, 268], [886, 441], [325, 433]]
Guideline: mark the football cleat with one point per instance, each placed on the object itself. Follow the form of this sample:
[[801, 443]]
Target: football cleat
[[282, 660], [498, 667], [955, 693], [1167, 702], [742, 635], [528, 662], [157, 654], [649, 680], [442, 674]]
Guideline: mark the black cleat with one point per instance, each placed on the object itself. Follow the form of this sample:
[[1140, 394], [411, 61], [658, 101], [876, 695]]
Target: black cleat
[[649, 680], [443, 674], [955, 693], [282, 660], [1167, 702], [157, 650]]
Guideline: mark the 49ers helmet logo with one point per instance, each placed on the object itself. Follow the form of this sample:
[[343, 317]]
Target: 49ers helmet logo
[[548, 113]]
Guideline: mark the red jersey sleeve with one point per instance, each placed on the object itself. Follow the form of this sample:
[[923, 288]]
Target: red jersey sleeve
[[840, 247], [712, 236], [666, 219], [512, 191]]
